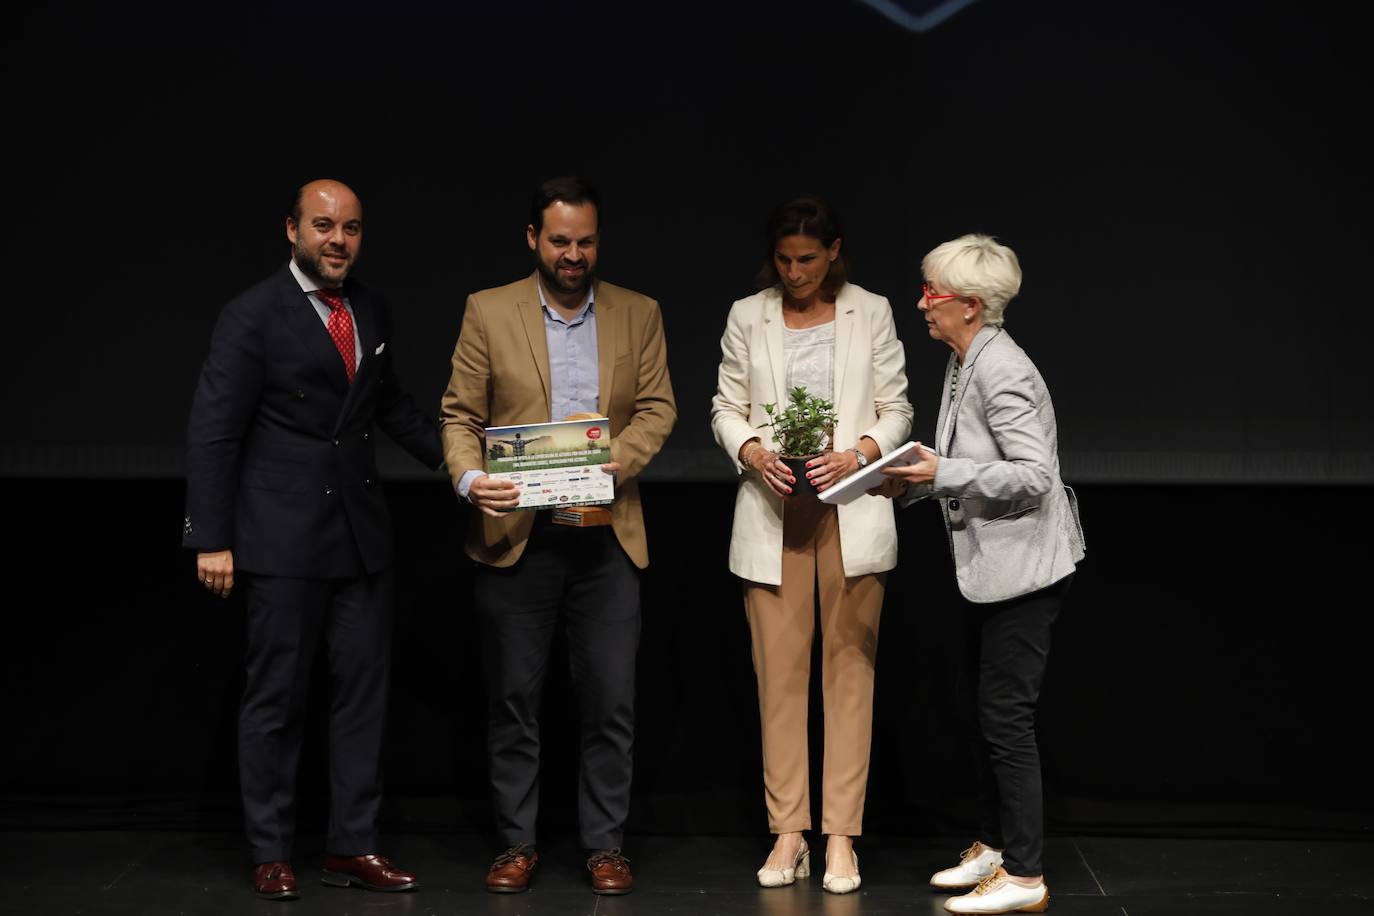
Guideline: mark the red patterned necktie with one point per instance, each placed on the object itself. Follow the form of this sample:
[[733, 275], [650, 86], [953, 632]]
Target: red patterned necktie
[[340, 328]]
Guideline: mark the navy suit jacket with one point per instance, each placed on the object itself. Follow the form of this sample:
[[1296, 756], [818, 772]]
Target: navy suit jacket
[[280, 463]]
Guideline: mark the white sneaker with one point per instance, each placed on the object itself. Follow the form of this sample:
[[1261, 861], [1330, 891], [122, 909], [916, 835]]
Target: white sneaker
[[999, 894], [780, 877], [843, 884], [975, 864]]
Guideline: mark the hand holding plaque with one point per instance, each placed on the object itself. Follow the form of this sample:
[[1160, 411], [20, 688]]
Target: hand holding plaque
[[554, 465]]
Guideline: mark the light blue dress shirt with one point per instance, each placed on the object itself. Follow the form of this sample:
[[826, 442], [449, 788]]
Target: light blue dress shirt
[[574, 372]]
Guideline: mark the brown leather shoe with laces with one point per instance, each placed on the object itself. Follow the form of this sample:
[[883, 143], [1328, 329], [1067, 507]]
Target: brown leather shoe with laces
[[512, 870], [376, 873], [274, 881], [610, 872]]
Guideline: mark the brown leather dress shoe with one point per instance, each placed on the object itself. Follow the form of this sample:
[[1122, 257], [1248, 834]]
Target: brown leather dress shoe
[[376, 873], [274, 881], [610, 872], [512, 870]]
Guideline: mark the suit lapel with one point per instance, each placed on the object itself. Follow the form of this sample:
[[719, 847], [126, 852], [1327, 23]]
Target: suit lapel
[[300, 315], [607, 328], [772, 334], [984, 337], [532, 320], [365, 317], [844, 327]]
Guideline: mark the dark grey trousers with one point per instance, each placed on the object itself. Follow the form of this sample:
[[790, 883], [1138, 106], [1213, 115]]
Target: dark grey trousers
[[582, 578], [1007, 646]]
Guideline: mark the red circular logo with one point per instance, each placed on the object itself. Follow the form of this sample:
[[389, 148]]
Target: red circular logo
[[594, 432]]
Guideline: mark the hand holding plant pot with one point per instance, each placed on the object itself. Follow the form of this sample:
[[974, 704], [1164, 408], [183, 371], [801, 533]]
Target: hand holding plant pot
[[830, 467], [776, 475], [803, 430]]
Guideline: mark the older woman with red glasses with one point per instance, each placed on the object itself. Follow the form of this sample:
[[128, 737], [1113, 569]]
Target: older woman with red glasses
[[1014, 533]]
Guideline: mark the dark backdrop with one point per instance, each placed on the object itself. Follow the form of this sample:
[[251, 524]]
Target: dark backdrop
[[1185, 184]]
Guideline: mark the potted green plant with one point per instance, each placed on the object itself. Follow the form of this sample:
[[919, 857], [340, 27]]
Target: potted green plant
[[803, 430]]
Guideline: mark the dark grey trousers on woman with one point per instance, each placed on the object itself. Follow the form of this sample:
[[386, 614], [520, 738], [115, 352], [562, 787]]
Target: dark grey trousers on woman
[[1007, 645]]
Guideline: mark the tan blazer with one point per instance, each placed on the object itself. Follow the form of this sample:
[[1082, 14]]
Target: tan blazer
[[501, 378], [870, 400]]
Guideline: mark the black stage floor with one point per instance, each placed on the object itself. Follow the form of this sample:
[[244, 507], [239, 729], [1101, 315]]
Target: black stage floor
[[114, 872]]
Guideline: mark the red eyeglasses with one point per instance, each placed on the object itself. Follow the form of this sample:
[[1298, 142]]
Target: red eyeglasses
[[932, 297]]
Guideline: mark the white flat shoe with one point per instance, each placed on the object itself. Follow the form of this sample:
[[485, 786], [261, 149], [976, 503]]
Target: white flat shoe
[[975, 864], [781, 877], [843, 884], [999, 894]]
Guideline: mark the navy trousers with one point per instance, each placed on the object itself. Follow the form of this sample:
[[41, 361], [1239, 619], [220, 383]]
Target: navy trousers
[[287, 620]]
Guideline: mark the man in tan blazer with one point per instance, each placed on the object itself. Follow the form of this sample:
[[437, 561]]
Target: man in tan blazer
[[556, 344]]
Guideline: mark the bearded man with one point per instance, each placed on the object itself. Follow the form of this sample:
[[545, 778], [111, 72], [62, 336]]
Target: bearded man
[[560, 343]]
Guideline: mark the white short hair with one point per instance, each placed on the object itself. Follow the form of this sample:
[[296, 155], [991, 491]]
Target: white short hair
[[976, 265]]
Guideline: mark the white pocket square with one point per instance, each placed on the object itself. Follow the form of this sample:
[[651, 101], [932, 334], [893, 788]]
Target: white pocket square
[[380, 347]]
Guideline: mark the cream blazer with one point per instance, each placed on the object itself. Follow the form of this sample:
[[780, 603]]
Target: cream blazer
[[870, 400]]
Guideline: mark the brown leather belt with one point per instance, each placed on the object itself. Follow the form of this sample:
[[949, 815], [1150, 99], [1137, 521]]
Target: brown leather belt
[[581, 516]]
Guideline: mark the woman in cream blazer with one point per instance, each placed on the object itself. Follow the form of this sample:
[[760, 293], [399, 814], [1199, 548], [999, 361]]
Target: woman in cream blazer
[[811, 328]]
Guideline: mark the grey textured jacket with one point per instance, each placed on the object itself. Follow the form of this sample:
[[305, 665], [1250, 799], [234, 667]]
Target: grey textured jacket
[[1013, 526]]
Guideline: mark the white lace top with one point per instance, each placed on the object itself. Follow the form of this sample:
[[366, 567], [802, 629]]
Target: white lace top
[[809, 354]]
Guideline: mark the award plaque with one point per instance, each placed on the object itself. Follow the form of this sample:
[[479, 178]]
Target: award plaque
[[555, 465], [861, 481]]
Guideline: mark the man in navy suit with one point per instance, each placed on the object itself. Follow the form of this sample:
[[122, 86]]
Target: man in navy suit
[[282, 493]]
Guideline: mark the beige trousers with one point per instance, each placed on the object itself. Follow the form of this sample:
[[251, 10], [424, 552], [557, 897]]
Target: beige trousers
[[782, 621]]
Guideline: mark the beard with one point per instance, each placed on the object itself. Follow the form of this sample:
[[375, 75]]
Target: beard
[[314, 267], [552, 280]]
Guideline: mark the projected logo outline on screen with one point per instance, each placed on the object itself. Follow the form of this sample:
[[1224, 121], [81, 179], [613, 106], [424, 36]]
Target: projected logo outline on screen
[[917, 15]]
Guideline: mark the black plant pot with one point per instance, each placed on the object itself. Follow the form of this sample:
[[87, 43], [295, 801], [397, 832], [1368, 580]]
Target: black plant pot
[[803, 488]]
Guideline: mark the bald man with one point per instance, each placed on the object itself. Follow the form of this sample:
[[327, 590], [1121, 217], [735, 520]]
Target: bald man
[[282, 499]]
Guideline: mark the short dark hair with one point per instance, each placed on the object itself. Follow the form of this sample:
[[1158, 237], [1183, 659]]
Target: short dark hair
[[814, 218], [570, 189]]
